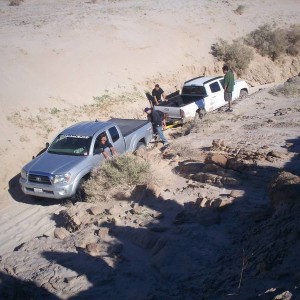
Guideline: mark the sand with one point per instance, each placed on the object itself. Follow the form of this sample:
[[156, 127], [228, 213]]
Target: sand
[[56, 56]]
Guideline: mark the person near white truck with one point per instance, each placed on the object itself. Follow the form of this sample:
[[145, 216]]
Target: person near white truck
[[199, 96]]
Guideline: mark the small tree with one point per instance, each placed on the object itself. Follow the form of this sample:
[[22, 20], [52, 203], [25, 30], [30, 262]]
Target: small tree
[[293, 37], [268, 42], [120, 174], [15, 2], [236, 54]]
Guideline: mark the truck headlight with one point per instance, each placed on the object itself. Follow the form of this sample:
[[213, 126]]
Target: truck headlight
[[61, 178], [24, 174]]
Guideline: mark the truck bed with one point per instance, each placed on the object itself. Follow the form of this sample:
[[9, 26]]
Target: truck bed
[[128, 126], [180, 100]]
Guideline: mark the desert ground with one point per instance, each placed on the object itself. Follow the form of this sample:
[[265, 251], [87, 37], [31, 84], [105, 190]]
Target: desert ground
[[207, 231]]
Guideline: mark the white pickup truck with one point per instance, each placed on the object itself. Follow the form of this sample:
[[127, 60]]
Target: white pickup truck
[[199, 95]]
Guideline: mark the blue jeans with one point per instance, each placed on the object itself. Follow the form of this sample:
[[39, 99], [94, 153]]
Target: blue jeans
[[161, 134]]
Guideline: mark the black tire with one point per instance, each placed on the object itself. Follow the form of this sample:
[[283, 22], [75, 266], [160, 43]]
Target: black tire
[[140, 150], [80, 194], [140, 145], [200, 114], [243, 94]]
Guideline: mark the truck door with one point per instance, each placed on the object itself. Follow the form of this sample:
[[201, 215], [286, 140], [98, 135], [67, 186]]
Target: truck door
[[217, 95], [97, 154], [116, 140]]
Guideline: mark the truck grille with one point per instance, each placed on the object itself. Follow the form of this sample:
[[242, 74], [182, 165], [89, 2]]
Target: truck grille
[[39, 179]]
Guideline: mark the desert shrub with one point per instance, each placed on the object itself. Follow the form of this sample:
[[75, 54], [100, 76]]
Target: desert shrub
[[288, 89], [183, 150], [293, 37], [15, 2], [236, 54], [267, 41], [240, 9], [120, 174]]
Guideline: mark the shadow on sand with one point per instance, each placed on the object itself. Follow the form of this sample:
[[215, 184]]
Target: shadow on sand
[[182, 254]]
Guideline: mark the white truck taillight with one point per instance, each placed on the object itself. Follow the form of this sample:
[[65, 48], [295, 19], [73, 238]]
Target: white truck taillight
[[182, 114]]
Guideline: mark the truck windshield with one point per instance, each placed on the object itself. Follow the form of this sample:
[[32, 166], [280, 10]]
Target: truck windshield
[[193, 90], [68, 144]]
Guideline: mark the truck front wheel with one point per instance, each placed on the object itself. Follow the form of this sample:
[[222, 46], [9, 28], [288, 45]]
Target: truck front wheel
[[140, 149], [140, 145], [80, 194]]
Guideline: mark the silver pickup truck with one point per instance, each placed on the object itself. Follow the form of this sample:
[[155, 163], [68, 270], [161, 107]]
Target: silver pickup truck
[[199, 95], [59, 172]]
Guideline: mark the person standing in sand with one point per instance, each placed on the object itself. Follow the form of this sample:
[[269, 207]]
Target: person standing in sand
[[158, 94], [228, 86], [157, 122]]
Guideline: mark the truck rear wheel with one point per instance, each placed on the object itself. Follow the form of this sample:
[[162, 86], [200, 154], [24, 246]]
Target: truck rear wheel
[[140, 145], [140, 150], [80, 194], [200, 114], [243, 94]]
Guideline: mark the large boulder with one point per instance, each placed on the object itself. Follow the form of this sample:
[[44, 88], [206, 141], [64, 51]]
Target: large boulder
[[61, 233], [217, 159], [284, 190]]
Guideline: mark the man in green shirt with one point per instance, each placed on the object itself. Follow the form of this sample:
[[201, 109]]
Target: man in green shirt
[[228, 86]]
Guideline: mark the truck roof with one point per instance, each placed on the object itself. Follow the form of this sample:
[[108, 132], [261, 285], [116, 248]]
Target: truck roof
[[201, 80], [87, 128]]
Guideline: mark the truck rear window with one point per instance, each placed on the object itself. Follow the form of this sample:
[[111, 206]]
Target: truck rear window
[[76, 145], [193, 90]]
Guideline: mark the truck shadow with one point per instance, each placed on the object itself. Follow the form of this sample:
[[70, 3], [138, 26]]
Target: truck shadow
[[16, 193], [14, 288]]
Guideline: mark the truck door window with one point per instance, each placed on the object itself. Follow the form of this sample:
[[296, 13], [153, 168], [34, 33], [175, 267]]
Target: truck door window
[[193, 90], [214, 87], [114, 134]]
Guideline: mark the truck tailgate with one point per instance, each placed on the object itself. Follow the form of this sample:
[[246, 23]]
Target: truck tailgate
[[173, 106]]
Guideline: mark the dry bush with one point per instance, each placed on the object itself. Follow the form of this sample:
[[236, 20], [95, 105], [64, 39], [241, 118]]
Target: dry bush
[[293, 37], [267, 41], [236, 54], [15, 2], [118, 175], [240, 9], [183, 150], [288, 89]]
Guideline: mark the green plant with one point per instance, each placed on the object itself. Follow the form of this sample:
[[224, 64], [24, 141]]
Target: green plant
[[293, 37], [101, 100], [54, 111], [289, 89], [267, 41], [240, 9], [15, 2], [120, 174], [236, 54]]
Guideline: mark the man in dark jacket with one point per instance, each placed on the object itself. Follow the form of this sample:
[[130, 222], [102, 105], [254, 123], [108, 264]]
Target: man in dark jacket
[[158, 95], [157, 122]]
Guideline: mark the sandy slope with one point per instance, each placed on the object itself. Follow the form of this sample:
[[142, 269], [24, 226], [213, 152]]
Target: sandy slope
[[170, 247], [60, 54]]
